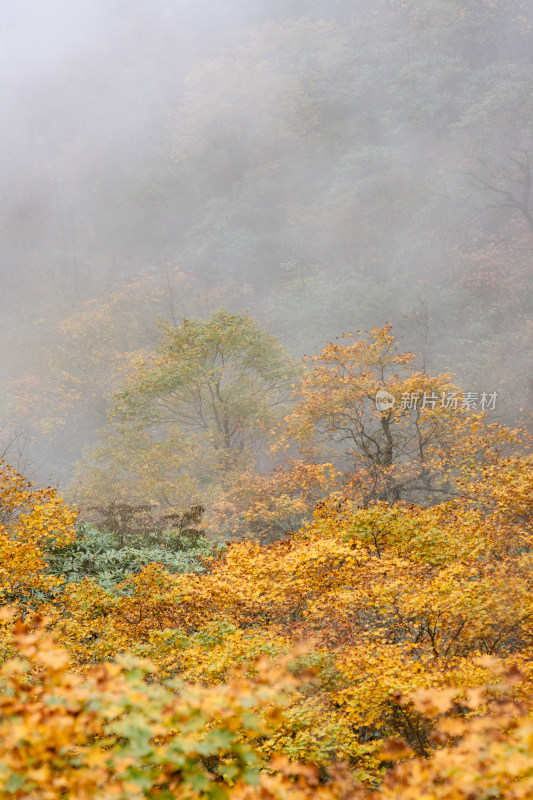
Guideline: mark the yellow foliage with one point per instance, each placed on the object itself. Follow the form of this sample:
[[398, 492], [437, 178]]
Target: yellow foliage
[[30, 518], [418, 623]]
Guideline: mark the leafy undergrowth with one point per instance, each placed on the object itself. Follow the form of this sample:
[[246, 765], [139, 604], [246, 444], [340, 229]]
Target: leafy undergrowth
[[305, 668]]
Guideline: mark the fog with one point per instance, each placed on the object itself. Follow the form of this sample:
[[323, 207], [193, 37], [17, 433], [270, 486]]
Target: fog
[[329, 166]]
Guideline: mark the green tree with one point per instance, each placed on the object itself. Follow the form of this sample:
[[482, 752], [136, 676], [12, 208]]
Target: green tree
[[198, 413]]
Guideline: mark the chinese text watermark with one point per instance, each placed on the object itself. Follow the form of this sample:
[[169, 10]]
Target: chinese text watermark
[[467, 401]]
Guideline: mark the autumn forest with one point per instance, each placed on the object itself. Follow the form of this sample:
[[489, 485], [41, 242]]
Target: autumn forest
[[266, 477]]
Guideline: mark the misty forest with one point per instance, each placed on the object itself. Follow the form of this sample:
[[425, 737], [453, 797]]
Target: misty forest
[[266, 478]]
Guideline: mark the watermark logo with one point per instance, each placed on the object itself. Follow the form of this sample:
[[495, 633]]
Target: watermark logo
[[467, 401], [384, 400]]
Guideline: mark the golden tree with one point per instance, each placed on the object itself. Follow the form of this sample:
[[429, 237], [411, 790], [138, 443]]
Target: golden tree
[[395, 432]]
